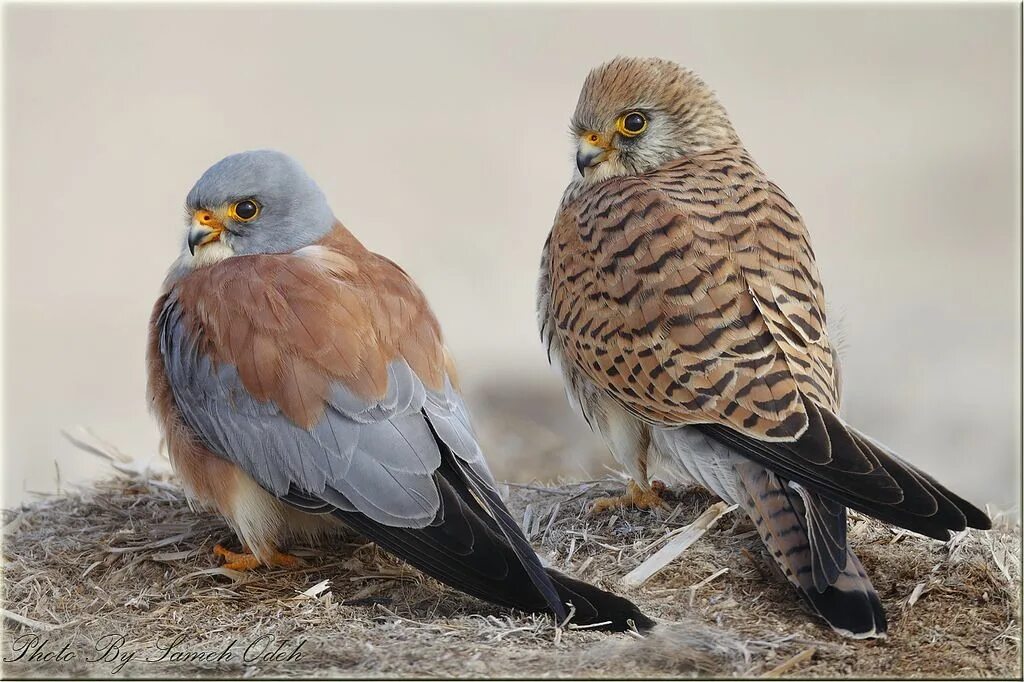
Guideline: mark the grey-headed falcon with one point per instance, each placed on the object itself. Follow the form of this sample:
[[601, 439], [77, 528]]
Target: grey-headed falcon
[[301, 384]]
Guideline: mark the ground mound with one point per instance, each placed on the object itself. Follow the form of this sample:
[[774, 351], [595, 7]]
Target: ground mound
[[118, 579]]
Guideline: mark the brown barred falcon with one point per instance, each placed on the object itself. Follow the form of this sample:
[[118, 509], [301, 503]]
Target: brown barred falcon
[[680, 299]]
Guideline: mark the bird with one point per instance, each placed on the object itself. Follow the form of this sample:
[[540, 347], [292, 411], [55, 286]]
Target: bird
[[680, 301], [302, 386]]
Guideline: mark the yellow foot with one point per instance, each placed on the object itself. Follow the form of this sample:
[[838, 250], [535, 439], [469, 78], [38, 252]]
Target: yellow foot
[[635, 497], [246, 562]]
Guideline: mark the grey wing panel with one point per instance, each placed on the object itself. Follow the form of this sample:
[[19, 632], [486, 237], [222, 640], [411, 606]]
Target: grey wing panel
[[405, 394], [378, 458], [450, 419]]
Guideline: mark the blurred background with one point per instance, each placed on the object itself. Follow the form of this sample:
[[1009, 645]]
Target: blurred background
[[439, 134]]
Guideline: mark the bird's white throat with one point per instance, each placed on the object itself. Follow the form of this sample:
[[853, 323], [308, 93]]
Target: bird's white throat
[[208, 254]]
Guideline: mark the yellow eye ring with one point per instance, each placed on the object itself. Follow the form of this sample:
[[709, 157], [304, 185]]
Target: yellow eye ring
[[244, 211], [631, 124]]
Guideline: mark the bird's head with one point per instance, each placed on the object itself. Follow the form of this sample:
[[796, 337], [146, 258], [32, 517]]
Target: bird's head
[[635, 115], [250, 203]]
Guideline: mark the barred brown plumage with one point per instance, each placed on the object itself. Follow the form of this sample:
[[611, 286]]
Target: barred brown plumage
[[680, 298], [687, 278]]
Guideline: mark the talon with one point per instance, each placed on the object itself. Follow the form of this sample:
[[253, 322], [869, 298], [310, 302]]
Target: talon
[[284, 560], [246, 561], [635, 496], [603, 504]]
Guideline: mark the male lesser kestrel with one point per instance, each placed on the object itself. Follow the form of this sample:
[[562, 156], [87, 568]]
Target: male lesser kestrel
[[301, 382]]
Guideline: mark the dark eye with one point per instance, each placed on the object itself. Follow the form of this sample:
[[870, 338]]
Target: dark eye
[[245, 210], [632, 124]]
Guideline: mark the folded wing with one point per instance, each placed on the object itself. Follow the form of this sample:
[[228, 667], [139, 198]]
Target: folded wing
[[328, 384], [690, 296]]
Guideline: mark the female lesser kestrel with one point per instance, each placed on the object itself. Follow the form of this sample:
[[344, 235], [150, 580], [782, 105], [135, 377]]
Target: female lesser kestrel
[[680, 299]]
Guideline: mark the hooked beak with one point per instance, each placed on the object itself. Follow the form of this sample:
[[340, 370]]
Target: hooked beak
[[206, 228], [592, 150]]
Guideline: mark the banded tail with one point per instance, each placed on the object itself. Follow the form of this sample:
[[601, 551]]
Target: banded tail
[[806, 536], [798, 491]]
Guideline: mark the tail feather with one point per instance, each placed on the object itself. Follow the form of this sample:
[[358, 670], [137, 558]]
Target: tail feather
[[826, 531], [475, 546], [593, 605], [851, 605], [808, 541]]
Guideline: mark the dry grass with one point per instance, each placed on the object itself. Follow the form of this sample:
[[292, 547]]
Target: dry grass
[[129, 557]]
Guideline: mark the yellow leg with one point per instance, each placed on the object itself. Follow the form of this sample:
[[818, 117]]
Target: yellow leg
[[635, 496], [246, 561]]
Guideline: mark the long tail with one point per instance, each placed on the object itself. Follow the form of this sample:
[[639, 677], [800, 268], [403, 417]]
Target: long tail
[[474, 545], [806, 536]]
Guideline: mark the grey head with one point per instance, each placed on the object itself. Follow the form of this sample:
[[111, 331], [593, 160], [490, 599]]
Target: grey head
[[254, 202]]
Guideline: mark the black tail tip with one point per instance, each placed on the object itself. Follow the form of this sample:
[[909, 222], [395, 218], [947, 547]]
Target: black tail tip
[[597, 609], [977, 518], [852, 613], [612, 614]]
